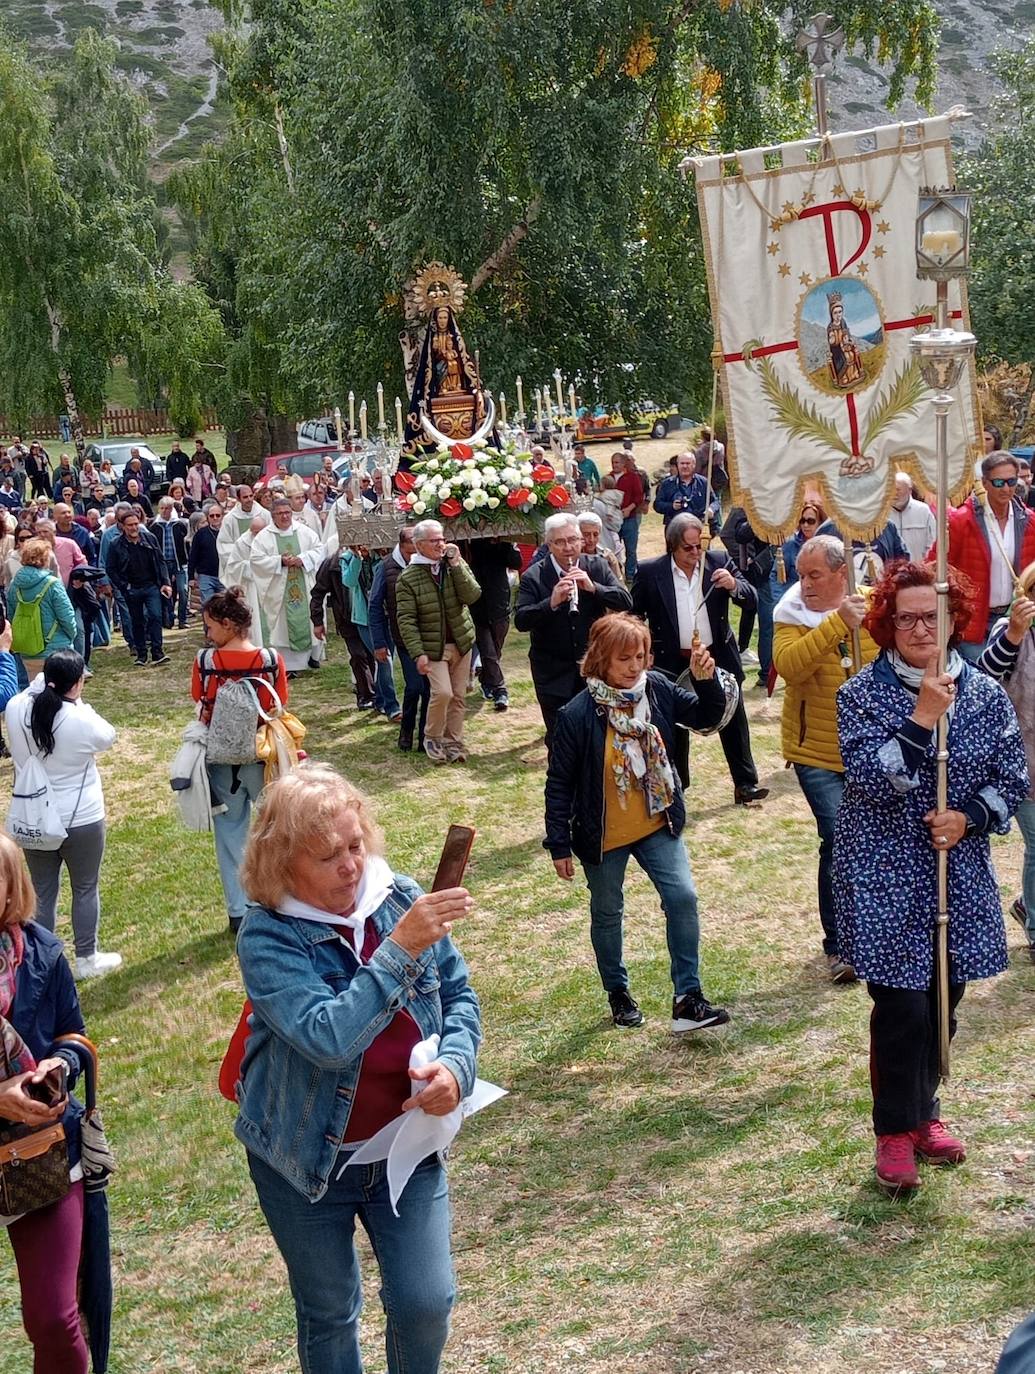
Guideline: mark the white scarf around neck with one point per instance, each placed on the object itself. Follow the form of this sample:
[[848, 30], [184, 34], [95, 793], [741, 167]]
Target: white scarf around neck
[[791, 610], [374, 887]]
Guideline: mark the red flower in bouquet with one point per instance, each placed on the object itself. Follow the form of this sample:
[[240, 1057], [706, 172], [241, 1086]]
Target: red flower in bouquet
[[405, 481], [557, 496], [543, 472], [451, 508], [518, 498], [461, 452]]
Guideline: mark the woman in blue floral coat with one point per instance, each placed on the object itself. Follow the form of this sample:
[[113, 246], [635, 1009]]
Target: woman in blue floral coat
[[887, 836]]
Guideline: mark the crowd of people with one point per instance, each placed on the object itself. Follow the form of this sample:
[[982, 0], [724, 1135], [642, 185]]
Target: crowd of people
[[628, 659]]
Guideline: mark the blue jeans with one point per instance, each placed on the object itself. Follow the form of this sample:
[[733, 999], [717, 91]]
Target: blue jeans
[[823, 790], [412, 1252], [663, 858], [385, 699], [416, 692], [145, 619], [630, 535], [766, 603], [177, 602], [208, 586], [1026, 825], [230, 827]]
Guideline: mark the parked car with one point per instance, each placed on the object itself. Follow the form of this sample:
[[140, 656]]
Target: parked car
[[305, 462], [645, 418], [119, 452], [317, 433]]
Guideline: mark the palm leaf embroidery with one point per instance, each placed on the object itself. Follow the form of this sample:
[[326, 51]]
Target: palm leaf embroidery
[[800, 418], [904, 395]]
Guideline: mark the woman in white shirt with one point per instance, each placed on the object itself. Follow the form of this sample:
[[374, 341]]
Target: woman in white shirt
[[52, 722]]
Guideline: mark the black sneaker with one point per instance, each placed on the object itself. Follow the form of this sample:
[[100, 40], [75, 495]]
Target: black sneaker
[[501, 702], [162, 658], [624, 1011], [140, 662], [1018, 912], [695, 1012]]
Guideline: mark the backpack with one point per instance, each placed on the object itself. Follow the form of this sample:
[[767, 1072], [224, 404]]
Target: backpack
[[27, 637], [234, 721]]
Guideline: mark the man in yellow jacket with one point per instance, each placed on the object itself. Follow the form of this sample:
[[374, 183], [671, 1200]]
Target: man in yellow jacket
[[812, 652]]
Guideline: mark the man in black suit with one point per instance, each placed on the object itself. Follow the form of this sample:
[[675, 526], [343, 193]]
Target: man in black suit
[[667, 593], [559, 598]]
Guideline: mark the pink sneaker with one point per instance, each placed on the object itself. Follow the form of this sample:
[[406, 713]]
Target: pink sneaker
[[937, 1146], [896, 1163]]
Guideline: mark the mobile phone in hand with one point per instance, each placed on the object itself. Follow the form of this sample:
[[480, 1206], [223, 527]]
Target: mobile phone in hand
[[455, 853], [52, 1089]]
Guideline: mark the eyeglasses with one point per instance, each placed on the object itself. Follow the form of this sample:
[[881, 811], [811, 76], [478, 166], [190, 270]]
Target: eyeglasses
[[907, 620], [690, 548], [808, 520], [1000, 482], [22, 538]]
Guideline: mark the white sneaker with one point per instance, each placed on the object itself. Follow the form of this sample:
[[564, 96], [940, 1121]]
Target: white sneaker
[[749, 657], [96, 965]]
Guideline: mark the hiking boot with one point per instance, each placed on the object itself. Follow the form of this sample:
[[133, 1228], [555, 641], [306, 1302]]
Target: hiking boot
[[694, 1012], [935, 1145], [624, 1011], [841, 970], [96, 965], [896, 1163], [435, 751]]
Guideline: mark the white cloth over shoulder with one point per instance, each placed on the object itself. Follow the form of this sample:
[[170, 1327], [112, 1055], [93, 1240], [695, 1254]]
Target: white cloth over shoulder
[[79, 734], [414, 1135], [188, 778]]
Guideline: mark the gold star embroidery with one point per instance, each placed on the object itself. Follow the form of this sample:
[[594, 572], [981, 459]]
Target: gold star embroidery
[[805, 279], [864, 267], [839, 190], [879, 251], [789, 207], [772, 249], [884, 227], [808, 198], [785, 270]]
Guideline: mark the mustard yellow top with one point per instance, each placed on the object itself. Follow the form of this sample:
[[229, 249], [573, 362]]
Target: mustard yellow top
[[809, 661], [624, 825]]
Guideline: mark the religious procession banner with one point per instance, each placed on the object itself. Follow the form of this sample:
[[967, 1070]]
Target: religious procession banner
[[814, 296]]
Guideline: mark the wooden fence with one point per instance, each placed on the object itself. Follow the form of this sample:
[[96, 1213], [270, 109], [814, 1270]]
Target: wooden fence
[[116, 421]]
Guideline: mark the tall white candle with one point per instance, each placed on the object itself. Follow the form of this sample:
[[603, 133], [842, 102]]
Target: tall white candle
[[560, 393], [363, 421], [503, 409], [538, 406], [399, 418], [380, 406], [547, 406], [571, 400], [337, 428], [352, 412], [521, 400]]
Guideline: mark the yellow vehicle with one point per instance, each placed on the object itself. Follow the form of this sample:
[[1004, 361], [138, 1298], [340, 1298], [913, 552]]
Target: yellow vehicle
[[646, 419]]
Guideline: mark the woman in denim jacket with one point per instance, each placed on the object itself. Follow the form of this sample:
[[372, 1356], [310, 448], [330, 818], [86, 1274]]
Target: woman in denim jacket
[[348, 966]]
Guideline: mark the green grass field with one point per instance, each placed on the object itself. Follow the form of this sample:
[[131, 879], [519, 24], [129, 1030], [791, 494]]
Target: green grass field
[[694, 1207]]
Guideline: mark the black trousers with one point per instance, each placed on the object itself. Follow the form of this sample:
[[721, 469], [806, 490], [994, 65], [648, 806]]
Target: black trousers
[[904, 1055], [490, 640], [735, 739], [362, 663], [551, 707]]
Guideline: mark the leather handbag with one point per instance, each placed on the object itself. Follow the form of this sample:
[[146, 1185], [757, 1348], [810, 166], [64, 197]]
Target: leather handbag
[[33, 1167], [33, 1159]]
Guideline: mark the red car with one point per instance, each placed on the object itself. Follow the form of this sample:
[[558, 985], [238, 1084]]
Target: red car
[[299, 463]]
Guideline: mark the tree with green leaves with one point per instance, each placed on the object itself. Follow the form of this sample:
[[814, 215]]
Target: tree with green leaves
[[532, 144], [1001, 176], [81, 278]]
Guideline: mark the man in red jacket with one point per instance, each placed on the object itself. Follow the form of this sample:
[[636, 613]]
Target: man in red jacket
[[979, 537]]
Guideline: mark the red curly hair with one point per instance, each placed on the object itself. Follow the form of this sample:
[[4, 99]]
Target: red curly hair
[[896, 578]]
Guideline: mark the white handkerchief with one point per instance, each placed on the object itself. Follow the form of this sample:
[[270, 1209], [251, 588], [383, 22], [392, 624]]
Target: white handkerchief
[[414, 1135]]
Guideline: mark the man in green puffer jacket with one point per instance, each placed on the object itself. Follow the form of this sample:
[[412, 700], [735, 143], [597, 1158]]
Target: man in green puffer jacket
[[432, 595]]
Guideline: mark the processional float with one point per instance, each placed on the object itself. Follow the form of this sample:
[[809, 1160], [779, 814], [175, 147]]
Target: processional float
[[835, 270], [456, 459]]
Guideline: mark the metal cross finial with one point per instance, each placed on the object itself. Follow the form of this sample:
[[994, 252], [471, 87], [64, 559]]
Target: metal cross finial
[[821, 43]]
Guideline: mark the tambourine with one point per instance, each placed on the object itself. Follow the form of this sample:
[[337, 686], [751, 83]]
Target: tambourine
[[730, 690]]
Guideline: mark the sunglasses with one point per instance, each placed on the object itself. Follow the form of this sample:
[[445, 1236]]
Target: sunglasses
[[1000, 482], [808, 520], [690, 548], [22, 538]]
